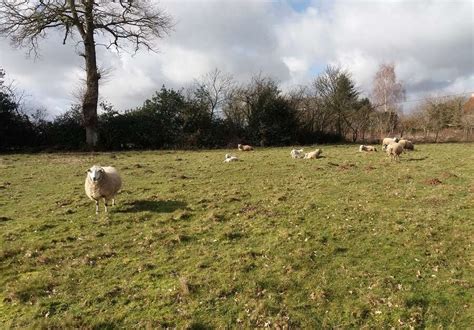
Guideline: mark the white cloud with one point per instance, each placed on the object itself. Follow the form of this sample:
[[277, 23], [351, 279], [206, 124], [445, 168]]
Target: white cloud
[[431, 43], [183, 65], [295, 65]]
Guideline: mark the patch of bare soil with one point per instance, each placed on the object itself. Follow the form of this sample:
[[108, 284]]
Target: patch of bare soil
[[433, 181]]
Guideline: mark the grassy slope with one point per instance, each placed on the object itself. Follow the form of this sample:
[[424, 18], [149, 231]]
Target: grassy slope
[[349, 240]]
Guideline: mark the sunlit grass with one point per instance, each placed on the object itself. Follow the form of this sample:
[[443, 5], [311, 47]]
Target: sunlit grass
[[348, 240]]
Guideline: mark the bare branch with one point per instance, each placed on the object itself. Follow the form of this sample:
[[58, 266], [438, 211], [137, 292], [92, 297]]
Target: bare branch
[[215, 87], [131, 23]]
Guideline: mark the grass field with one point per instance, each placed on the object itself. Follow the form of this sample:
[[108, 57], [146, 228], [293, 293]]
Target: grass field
[[347, 241]]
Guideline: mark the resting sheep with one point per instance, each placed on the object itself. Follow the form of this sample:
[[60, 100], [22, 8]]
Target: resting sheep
[[387, 141], [102, 182], [230, 158], [367, 148], [313, 154], [394, 150], [244, 147], [407, 144], [297, 153]]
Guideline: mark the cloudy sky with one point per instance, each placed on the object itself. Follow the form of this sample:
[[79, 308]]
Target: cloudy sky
[[430, 42]]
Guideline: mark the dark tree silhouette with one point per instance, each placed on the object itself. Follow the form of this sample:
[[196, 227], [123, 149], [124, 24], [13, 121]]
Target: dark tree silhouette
[[117, 23]]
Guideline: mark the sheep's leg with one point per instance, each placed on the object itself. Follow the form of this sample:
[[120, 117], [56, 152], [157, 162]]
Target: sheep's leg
[[105, 205], [113, 201], [96, 207]]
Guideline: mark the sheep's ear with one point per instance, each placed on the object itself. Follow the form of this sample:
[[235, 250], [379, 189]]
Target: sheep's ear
[[88, 170]]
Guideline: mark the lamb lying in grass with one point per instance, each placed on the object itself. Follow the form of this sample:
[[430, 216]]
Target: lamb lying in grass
[[313, 154], [102, 183], [244, 147], [297, 153], [367, 148], [230, 158]]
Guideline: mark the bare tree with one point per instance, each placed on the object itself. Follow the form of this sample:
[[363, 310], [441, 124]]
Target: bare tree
[[467, 122], [118, 23], [308, 104], [444, 113], [215, 88], [17, 95], [2, 75], [233, 108], [386, 94]]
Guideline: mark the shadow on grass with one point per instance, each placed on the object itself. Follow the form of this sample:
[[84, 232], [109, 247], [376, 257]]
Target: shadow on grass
[[199, 326], [416, 159], [152, 206]]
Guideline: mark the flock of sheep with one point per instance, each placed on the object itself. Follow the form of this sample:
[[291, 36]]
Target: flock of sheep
[[295, 153], [105, 182], [394, 147]]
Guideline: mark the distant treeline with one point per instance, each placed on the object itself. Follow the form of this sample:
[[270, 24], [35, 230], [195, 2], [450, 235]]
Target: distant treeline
[[217, 113]]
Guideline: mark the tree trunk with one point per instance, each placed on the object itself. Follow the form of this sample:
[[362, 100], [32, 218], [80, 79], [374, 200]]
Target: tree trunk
[[355, 135], [91, 95]]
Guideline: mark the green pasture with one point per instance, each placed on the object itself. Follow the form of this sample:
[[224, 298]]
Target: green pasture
[[350, 240]]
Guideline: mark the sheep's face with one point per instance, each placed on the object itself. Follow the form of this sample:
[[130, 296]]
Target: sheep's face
[[95, 173]]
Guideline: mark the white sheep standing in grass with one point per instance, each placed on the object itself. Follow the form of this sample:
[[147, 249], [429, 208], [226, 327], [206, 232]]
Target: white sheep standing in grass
[[230, 158], [367, 148], [313, 154], [387, 141], [394, 150], [297, 153], [244, 147], [102, 182], [407, 144]]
